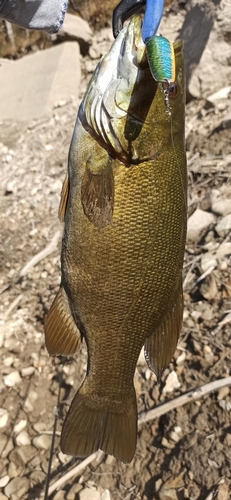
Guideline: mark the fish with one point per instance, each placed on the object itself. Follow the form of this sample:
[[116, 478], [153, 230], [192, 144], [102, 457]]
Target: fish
[[124, 207]]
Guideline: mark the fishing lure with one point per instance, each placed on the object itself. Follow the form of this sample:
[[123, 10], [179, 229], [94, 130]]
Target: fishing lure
[[161, 58], [160, 51]]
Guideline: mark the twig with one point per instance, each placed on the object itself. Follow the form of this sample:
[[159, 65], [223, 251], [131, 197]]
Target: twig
[[13, 305], [193, 395], [206, 273], [187, 280], [4, 288], [227, 319], [73, 472], [50, 433], [222, 357], [41, 255]]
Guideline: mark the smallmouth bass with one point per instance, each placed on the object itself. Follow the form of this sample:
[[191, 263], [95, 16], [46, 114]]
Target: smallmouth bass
[[123, 204]]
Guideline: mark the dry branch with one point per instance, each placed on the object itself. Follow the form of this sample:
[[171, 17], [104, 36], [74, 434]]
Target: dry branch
[[13, 305], [41, 255], [73, 472], [188, 397]]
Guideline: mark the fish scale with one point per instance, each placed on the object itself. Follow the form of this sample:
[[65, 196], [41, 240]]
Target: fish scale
[[123, 247]]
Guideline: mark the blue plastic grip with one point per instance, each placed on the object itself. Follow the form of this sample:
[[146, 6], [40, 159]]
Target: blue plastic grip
[[152, 18]]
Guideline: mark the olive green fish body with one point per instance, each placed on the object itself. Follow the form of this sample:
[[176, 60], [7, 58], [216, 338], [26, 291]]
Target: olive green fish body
[[123, 244]]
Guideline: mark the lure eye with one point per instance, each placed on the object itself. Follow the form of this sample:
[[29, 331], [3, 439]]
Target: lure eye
[[172, 89]]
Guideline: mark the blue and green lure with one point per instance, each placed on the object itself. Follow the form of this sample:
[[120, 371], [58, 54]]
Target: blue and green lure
[[161, 60], [160, 51]]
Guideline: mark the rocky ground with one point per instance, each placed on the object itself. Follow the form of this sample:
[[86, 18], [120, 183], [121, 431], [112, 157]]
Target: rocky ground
[[186, 452]]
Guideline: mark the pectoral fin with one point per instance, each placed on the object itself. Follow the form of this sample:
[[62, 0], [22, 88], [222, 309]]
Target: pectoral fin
[[161, 345], [97, 190], [61, 333], [63, 199]]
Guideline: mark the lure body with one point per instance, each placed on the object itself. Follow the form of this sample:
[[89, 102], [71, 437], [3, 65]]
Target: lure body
[[161, 58]]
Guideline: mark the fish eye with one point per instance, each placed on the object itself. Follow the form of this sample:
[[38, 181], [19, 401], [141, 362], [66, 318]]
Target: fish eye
[[172, 89]]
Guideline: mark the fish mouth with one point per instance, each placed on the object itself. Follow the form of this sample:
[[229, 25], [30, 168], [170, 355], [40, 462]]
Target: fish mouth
[[111, 93], [134, 45]]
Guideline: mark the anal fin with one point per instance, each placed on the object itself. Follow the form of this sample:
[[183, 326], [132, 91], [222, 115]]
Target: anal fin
[[63, 199], [161, 345], [61, 333]]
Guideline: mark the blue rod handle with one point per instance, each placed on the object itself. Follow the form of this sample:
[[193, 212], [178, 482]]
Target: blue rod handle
[[152, 18]]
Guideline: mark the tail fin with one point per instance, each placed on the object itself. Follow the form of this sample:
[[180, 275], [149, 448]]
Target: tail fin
[[95, 422]]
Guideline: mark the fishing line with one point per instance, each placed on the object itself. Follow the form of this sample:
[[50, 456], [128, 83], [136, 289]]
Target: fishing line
[[175, 154], [56, 415]]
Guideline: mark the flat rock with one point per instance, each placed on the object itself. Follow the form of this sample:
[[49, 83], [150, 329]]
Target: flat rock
[[33, 85], [4, 481], [12, 345], [89, 494], [208, 287], [20, 426], [72, 493], [42, 442], [4, 415], [23, 439], [76, 28], [12, 379], [219, 204], [3, 441], [3, 497], [30, 400], [21, 455], [224, 250], [219, 255], [29, 370], [198, 222], [222, 93], [40, 426], [105, 495], [222, 491], [171, 382], [60, 495], [17, 486], [12, 470], [224, 225], [208, 260]]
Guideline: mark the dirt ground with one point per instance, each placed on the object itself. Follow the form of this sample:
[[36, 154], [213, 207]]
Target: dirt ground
[[184, 454]]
